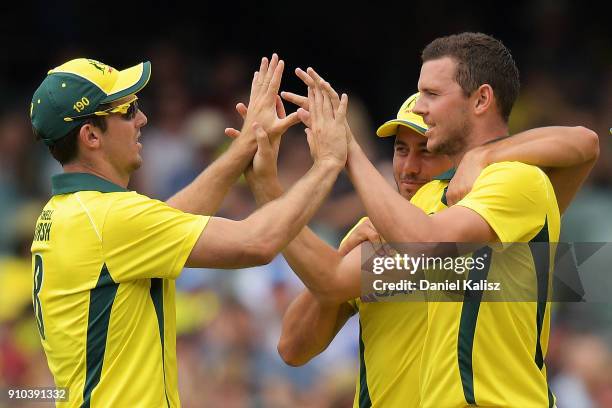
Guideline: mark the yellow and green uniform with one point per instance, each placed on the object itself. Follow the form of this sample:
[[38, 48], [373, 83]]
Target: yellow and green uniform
[[492, 353], [104, 262], [391, 338]]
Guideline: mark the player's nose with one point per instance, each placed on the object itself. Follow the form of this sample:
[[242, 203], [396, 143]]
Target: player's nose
[[412, 165], [419, 107], [141, 119]]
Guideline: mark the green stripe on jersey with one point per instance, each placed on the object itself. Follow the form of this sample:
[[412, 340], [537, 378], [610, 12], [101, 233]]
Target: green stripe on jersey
[[540, 254], [467, 326], [157, 296], [364, 394], [101, 300]]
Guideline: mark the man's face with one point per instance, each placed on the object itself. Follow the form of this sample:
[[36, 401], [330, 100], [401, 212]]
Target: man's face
[[413, 164], [444, 107], [120, 141]]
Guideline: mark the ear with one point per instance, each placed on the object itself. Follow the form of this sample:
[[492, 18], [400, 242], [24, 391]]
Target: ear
[[90, 137], [484, 99]]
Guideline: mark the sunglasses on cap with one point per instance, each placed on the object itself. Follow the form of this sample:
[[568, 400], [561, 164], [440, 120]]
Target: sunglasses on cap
[[127, 111]]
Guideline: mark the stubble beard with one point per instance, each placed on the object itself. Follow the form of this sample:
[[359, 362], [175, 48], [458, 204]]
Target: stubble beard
[[454, 142], [401, 192]]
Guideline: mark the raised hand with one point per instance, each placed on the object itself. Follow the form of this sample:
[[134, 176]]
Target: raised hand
[[326, 133], [310, 77], [263, 166], [265, 107], [242, 110]]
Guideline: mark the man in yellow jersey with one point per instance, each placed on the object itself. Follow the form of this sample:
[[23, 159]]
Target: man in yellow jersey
[[391, 333], [105, 259], [476, 353]]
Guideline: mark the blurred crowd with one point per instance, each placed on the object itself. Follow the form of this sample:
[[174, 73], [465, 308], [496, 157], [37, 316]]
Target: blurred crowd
[[229, 321]]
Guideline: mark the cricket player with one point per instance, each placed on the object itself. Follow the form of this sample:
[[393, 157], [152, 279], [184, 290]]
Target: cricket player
[[105, 258], [476, 353], [392, 333]]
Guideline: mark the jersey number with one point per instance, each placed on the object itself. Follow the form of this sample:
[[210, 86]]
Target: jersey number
[[38, 280]]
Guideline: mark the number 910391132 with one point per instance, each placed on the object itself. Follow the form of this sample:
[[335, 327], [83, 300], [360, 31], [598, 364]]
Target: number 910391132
[[37, 394]]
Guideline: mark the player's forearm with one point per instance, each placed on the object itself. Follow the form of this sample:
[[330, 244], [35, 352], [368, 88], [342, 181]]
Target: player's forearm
[[264, 190], [279, 221], [394, 217], [313, 260], [567, 181], [206, 193], [318, 266], [308, 328], [553, 146]]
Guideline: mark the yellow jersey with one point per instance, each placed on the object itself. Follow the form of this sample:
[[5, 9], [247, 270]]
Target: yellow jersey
[[391, 335], [104, 262], [479, 353]]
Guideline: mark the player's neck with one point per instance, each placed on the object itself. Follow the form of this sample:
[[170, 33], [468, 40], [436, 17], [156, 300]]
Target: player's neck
[[480, 135], [102, 170]]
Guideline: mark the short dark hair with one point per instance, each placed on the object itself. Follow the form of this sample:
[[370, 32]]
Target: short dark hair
[[65, 150], [481, 59]]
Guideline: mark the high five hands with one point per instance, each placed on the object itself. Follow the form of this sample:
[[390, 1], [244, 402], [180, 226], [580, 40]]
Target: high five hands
[[325, 119], [323, 112], [265, 107]]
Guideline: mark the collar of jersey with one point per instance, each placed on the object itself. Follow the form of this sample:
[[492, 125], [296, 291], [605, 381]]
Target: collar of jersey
[[66, 183], [446, 176]]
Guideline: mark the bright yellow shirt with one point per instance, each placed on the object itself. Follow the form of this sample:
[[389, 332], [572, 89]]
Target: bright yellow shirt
[[104, 262], [492, 353], [391, 335]]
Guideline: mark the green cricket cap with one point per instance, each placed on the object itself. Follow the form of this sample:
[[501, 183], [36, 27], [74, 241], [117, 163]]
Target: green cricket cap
[[75, 89]]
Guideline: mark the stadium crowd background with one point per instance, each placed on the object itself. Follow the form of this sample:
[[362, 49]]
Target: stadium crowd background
[[203, 59]]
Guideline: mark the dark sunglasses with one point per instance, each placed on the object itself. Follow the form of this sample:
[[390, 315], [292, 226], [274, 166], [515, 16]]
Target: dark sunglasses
[[127, 111]]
